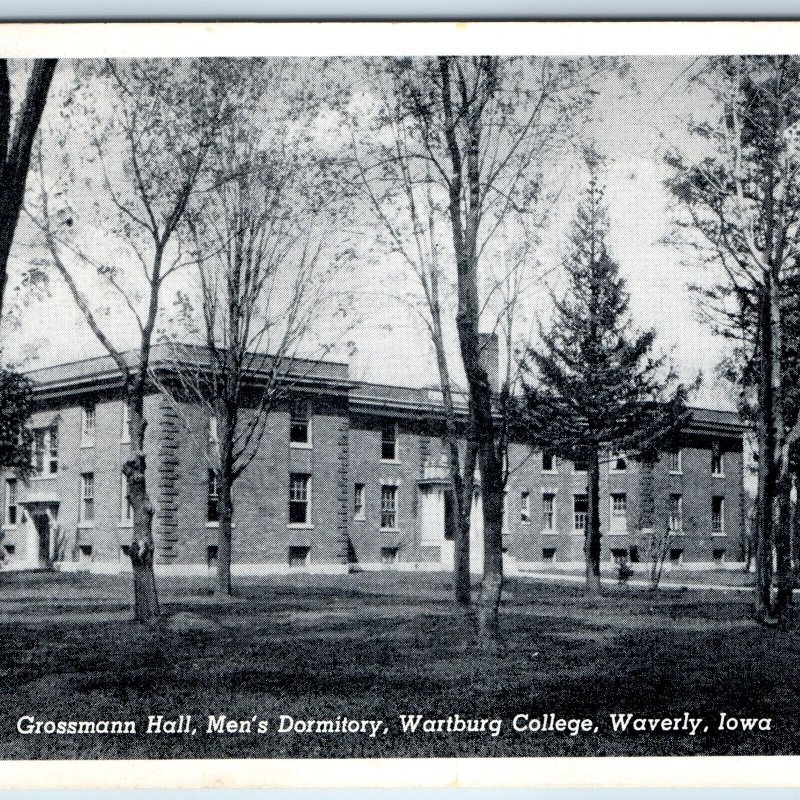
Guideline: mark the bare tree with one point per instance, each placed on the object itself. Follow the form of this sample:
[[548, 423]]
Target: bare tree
[[17, 133], [742, 200], [151, 150], [265, 268], [482, 130]]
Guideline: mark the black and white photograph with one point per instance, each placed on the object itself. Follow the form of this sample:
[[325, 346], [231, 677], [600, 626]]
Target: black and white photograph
[[425, 406]]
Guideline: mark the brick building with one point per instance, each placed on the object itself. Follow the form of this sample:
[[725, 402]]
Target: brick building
[[348, 475]]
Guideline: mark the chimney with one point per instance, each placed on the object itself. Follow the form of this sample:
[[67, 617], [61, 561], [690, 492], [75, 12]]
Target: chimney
[[490, 358]]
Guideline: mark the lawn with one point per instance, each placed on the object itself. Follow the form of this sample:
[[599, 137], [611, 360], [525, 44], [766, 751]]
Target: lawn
[[377, 646]]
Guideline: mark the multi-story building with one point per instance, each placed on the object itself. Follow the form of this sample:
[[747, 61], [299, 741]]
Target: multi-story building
[[348, 475]]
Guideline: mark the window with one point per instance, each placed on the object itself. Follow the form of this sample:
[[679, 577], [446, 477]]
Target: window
[[125, 432], [86, 514], [389, 555], [11, 502], [580, 465], [618, 463], [675, 520], [299, 499], [525, 507], [676, 555], [213, 497], [719, 556], [87, 424], [675, 461], [299, 556], [84, 553], [548, 462], [45, 450], [126, 509], [389, 443], [358, 501], [212, 555], [580, 504], [213, 430], [619, 512], [716, 459], [548, 511], [388, 507], [717, 515], [634, 555], [549, 554], [300, 423], [619, 554]]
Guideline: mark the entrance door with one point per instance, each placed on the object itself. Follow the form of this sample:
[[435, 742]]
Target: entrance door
[[42, 552], [434, 528]]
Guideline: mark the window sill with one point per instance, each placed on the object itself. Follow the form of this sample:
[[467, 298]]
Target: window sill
[[9, 526], [300, 526], [301, 445], [391, 461], [717, 474], [549, 472], [125, 441], [391, 530], [359, 519], [720, 534], [124, 523], [85, 525], [87, 445], [525, 522], [549, 532], [676, 473], [51, 476]]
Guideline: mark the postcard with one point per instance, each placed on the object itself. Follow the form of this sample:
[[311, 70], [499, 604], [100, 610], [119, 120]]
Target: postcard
[[399, 404]]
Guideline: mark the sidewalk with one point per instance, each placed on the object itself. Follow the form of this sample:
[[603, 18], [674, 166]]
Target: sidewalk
[[556, 577]]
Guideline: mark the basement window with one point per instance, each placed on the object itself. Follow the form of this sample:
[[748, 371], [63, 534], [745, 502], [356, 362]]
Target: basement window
[[211, 555], [549, 554], [299, 556], [389, 555]]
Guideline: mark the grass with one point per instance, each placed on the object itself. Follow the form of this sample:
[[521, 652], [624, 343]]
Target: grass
[[375, 646]]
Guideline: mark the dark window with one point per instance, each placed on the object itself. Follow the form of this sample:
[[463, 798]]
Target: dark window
[[388, 555], [358, 501], [211, 555], [619, 554], [580, 465], [634, 555], [299, 497], [716, 459], [675, 521], [717, 514], [389, 443], [525, 507], [549, 554], [298, 556], [548, 462], [300, 431], [719, 556], [581, 507], [618, 463], [88, 413], [548, 511], [87, 497], [676, 555], [213, 497], [53, 449], [388, 507]]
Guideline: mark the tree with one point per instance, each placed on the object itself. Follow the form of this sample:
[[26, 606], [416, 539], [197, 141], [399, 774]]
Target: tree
[[597, 387], [265, 270], [16, 401], [151, 150], [483, 131], [741, 204], [17, 133]]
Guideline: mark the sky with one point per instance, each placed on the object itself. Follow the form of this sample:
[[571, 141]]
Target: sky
[[635, 120]]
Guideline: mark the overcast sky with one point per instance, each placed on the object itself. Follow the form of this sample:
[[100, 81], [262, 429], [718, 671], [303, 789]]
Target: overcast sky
[[633, 126]]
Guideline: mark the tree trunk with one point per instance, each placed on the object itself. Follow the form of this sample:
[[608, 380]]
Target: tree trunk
[[15, 151], [146, 607], [796, 526], [492, 584], [222, 586], [592, 536], [462, 513], [766, 464]]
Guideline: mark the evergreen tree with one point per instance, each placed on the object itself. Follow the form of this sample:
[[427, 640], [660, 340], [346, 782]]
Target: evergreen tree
[[593, 385]]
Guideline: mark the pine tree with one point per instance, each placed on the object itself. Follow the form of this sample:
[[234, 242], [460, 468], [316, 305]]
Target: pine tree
[[593, 385]]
